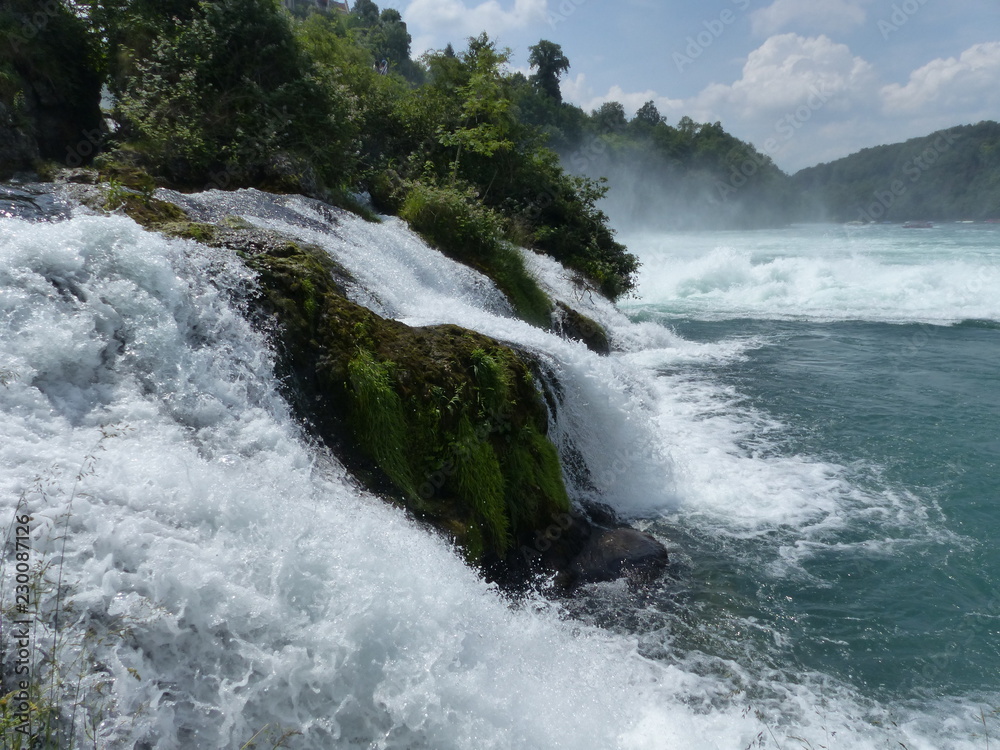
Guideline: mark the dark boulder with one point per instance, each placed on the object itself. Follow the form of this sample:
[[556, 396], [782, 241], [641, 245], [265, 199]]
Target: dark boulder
[[614, 553]]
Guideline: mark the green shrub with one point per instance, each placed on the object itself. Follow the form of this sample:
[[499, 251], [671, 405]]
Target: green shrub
[[230, 99], [453, 220]]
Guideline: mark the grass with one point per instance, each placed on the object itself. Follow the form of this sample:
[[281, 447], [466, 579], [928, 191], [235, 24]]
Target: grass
[[480, 480]]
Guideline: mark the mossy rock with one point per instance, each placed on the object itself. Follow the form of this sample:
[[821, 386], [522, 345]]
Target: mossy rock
[[448, 418], [445, 420], [125, 166], [145, 210], [576, 326]]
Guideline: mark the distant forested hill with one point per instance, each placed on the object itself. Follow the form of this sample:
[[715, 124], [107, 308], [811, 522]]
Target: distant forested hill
[[949, 175], [660, 176]]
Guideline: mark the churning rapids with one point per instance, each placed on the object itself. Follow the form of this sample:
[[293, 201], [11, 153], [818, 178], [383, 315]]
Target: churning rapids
[[206, 575]]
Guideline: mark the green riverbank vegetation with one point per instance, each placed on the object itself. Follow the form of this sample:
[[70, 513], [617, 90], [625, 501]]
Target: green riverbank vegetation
[[244, 93]]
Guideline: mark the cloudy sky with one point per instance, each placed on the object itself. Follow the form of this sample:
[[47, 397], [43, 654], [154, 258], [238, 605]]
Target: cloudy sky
[[806, 81]]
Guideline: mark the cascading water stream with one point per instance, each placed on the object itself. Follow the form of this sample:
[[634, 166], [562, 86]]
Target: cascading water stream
[[224, 578]]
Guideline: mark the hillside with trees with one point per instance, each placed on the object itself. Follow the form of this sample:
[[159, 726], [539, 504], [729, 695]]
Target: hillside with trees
[[950, 175], [476, 157], [660, 176]]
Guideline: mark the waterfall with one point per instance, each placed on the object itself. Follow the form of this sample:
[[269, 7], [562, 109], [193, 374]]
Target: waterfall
[[205, 575]]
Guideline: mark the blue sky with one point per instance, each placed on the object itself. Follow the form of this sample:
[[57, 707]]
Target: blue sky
[[806, 81]]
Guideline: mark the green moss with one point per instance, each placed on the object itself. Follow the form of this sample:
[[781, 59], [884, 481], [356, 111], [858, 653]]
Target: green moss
[[310, 303], [145, 210], [447, 417], [534, 470], [377, 417], [207, 234], [480, 480], [506, 268], [123, 166], [454, 221], [493, 381]]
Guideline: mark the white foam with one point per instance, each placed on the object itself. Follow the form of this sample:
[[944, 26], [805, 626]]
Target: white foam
[[221, 576], [880, 274]]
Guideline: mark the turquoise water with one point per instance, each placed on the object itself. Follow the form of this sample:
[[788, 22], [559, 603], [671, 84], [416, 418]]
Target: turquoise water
[[872, 355]]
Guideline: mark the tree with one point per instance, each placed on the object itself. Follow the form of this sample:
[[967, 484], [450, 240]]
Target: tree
[[687, 126], [549, 62], [366, 12], [486, 121], [389, 39], [50, 80], [648, 114], [609, 117], [231, 92]]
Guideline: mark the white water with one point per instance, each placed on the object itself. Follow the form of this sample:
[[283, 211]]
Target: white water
[[878, 273], [222, 576]]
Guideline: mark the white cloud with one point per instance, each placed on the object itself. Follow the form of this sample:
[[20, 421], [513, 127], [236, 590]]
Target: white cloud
[[964, 84], [434, 19], [579, 91], [787, 71], [828, 15], [803, 100]]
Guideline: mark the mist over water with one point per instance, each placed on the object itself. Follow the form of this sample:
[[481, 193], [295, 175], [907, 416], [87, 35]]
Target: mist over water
[[222, 573]]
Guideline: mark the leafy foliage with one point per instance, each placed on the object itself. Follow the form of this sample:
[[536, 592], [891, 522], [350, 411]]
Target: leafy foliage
[[50, 79], [232, 93], [227, 96]]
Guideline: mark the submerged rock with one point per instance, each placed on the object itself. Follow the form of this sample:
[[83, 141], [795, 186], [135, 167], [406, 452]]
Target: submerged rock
[[614, 553]]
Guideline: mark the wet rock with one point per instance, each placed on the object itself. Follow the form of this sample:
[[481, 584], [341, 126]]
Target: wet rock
[[80, 176], [573, 325], [613, 553]]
